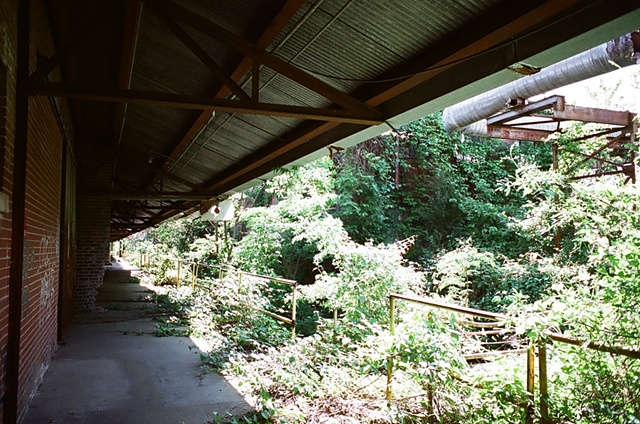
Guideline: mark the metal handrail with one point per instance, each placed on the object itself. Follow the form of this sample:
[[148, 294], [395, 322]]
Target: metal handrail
[[542, 350], [229, 270], [500, 318]]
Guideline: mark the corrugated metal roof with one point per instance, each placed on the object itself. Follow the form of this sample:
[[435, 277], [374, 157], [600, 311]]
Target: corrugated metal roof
[[374, 51]]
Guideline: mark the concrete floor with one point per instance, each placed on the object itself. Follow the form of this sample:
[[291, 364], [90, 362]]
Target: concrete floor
[[114, 369]]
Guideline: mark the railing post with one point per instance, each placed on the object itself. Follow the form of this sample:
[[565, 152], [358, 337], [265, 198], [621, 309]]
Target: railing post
[[335, 324], [293, 312], [392, 307], [531, 375], [194, 278], [179, 267], [544, 389]]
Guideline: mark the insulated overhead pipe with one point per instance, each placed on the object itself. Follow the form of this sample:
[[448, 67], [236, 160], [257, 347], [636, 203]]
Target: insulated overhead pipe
[[468, 116]]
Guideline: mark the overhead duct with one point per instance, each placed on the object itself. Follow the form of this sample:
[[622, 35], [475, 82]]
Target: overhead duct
[[607, 57]]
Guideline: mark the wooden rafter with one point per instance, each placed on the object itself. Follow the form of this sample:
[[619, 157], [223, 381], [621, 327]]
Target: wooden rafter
[[248, 49], [102, 17], [469, 44], [199, 52], [131, 25], [282, 18]]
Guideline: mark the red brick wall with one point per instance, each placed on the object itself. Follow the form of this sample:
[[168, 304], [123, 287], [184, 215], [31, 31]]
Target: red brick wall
[[7, 57], [95, 169], [6, 144], [42, 215]]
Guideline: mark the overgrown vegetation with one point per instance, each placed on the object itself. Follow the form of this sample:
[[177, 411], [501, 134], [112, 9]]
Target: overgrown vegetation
[[418, 212]]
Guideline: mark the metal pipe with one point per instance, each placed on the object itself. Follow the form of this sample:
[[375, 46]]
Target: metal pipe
[[599, 346], [272, 315], [274, 279], [467, 116], [10, 404]]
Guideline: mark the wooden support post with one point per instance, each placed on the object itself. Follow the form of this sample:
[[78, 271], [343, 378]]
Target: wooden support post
[[194, 278], [293, 312], [179, 268], [544, 389], [531, 376], [392, 307], [430, 417]]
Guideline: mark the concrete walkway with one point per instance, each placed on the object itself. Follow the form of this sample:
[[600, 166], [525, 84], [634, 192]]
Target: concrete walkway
[[115, 370]]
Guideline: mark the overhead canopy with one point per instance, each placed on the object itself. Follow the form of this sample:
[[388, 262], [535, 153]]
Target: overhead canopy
[[198, 99]]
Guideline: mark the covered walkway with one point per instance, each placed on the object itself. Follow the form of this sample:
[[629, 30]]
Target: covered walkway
[[115, 370]]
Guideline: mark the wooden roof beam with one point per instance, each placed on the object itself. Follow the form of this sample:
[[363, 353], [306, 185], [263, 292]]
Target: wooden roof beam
[[184, 101]]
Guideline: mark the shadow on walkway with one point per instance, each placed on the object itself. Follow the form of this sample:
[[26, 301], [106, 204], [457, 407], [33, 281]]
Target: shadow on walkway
[[114, 370]]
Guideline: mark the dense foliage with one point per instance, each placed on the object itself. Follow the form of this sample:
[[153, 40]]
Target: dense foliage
[[420, 212]]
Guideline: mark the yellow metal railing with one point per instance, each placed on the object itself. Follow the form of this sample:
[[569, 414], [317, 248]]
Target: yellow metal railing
[[222, 270], [499, 319]]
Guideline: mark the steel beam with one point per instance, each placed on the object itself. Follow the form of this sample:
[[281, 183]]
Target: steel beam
[[590, 114], [183, 101], [172, 196], [531, 108], [512, 133]]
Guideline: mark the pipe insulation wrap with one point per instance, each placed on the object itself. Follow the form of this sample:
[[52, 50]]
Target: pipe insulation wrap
[[599, 60]]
